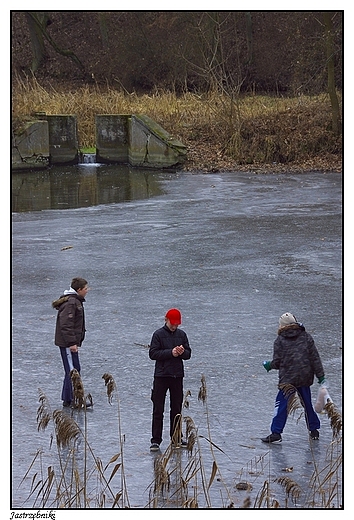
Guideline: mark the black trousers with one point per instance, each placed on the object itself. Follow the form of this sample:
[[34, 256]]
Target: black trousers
[[158, 397]]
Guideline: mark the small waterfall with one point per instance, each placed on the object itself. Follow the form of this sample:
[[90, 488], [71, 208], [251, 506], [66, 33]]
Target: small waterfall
[[88, 158]]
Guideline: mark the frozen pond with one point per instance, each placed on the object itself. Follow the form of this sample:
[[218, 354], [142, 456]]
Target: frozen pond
[[233, 251]]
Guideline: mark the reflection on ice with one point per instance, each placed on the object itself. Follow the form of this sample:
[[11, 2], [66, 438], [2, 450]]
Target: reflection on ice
[[80, 186]]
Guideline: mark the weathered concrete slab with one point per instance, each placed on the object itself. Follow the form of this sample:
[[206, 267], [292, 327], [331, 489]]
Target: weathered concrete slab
[[150, 145], [63, 140], [112, 138], [30, 147]]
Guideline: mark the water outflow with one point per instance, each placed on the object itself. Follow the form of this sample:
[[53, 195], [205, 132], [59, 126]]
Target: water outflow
[[88, 158]]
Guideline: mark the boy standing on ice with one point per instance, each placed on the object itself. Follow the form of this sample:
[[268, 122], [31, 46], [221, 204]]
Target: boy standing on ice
[[298, 361], [70, 332], [169, 348]]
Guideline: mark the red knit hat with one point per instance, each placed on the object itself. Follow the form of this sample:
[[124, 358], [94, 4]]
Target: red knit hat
[[174, 316]]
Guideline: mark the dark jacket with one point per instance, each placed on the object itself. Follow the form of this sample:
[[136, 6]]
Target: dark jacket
[[70, 324], [296, 357], [162, 342]]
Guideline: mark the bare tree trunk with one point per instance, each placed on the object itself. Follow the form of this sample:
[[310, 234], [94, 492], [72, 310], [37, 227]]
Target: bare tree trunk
[[330, 73], [35, 21], [249, 37], [102, 21]]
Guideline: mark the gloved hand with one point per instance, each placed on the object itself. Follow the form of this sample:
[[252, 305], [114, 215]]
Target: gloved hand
[[321, 380], [266, 365]]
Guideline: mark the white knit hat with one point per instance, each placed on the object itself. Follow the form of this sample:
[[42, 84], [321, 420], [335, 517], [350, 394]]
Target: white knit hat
[[286, 319]]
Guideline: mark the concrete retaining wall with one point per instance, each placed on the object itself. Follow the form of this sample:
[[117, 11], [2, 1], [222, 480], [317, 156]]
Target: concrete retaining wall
[[150, 145], [63, 140], [136, 140], [112, 138], [30, 146]]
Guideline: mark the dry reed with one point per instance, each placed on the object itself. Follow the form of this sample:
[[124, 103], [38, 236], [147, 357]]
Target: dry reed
[[178, 482], [250, 130]]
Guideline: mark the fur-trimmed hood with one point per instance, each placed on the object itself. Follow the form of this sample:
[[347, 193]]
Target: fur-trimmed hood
[[56, 303], [64, 298], [291, 330]]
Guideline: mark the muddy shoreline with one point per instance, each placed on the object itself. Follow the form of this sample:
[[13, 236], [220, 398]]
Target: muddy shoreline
[[208, 158]]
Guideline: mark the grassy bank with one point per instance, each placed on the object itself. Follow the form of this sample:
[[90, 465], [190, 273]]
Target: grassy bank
[[248, 133]]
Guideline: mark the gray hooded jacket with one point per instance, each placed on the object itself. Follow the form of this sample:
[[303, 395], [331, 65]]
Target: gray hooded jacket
[[296, 357]]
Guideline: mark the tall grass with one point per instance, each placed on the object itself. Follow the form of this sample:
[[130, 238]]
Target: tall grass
[[247, 130], [77, 479]]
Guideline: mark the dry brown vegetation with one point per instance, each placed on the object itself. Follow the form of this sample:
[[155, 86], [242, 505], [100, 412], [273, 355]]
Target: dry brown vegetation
[[252, 133], [83, 481]]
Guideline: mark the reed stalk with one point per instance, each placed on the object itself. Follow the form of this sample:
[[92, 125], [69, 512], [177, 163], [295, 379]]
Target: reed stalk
[[180, 477]]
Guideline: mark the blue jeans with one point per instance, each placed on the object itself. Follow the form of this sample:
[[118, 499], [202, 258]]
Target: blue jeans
[[70, 361], [281, 412]]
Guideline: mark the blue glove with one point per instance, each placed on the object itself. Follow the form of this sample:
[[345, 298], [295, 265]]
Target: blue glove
[[267, 366]]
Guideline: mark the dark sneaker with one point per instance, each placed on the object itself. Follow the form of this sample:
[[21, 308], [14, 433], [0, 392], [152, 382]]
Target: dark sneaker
[[154, 446], [182, 444], [272, 438], [66, 404], [315, 435]]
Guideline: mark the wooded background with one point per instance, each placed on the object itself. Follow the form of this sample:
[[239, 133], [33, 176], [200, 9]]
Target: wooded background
[[273, 52]]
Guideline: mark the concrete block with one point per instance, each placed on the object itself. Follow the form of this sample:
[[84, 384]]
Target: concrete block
[[151, 146], [63, 140], [30, 146], [112, 138]]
